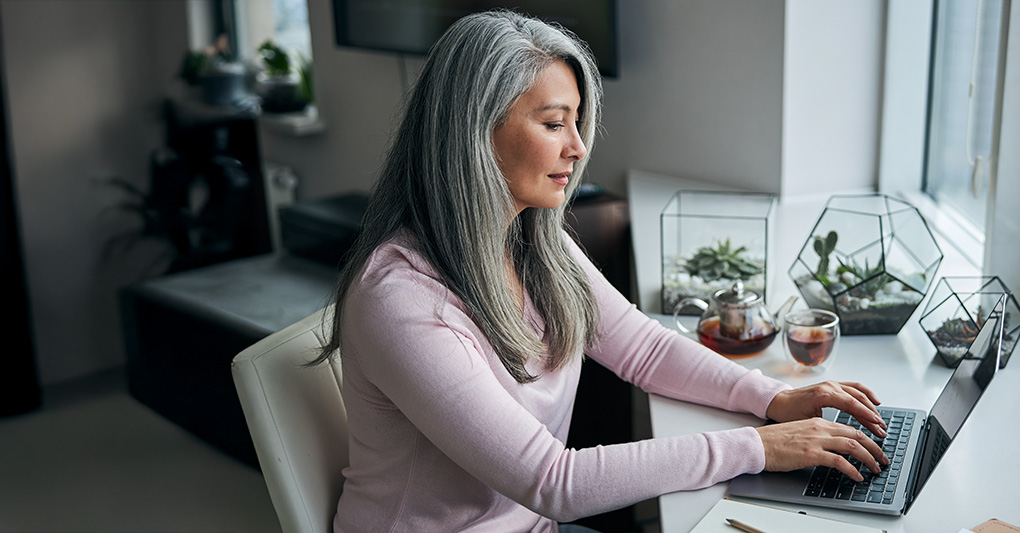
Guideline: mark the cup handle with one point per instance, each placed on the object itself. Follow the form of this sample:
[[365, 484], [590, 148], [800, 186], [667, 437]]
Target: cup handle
[[696, 302]]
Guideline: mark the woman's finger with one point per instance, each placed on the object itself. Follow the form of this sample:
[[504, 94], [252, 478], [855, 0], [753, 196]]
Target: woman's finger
[[865, 450], [856, 390], [847, 402], [872, 397]]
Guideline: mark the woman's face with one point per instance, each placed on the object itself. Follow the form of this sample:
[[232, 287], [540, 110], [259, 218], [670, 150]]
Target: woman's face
[[538, 144]]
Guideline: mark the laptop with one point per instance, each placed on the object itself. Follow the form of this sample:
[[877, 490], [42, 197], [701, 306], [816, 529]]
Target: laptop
[[915, 444]]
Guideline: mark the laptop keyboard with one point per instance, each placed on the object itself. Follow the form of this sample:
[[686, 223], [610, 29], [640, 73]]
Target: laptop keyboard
[[878, 488]]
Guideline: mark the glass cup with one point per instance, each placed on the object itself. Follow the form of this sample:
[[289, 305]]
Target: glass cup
[[811, 337]]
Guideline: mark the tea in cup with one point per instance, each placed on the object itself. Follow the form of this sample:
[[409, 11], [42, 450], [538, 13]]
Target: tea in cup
[[811, 337]]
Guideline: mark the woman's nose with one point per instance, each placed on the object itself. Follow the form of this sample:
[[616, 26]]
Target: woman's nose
[[575, 149]]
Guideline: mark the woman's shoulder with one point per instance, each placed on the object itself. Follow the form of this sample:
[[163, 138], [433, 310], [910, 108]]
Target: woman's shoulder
[[397, 270], [400, 253], [398, 284]]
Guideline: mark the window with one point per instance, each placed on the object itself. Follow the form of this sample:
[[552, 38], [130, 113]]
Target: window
[[967, 38], [283, 21]]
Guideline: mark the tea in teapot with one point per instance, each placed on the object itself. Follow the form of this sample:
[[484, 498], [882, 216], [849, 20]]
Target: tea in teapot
[[736, 322]]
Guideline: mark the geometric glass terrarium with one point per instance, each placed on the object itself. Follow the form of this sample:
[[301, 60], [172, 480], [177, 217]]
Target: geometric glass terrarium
[[870, 259], [711, 240], [957, 309]]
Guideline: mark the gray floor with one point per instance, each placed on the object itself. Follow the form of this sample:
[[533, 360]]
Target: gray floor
[[93, 459]]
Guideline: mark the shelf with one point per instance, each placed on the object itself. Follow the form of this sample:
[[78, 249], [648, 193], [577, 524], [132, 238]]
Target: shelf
[[298, 124]]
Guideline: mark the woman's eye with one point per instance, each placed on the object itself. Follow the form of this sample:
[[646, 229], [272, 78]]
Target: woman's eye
[[554, 125]]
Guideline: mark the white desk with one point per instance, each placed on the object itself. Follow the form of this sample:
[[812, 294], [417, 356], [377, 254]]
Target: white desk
[[977, 478], [968, 487]]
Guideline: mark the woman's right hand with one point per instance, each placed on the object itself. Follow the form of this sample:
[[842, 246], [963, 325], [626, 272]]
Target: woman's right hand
[[815, 441]]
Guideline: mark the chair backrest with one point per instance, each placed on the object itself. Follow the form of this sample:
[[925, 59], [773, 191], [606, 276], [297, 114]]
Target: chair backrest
[[298, 422]]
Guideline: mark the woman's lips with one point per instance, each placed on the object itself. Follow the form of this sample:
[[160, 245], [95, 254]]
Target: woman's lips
[[561, 179]]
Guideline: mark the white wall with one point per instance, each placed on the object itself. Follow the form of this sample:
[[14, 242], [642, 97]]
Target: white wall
[[83, 79], [832, 95]]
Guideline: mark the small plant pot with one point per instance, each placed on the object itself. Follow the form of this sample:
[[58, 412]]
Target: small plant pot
[[957, 309], [280, 94]]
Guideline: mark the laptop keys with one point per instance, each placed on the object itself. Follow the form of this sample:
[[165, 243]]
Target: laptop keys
[[878, 488]]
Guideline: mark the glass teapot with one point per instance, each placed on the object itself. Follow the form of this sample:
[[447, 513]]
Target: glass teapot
[[736, 322]]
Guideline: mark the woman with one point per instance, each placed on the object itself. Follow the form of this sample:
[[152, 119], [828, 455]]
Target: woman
[[464, 311]]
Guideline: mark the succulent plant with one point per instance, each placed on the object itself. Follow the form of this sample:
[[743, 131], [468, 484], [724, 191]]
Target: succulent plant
[[871, 279], [960, 328], [824, 246], [722, 262]]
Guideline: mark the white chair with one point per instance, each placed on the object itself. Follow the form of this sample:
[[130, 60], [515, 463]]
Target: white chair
[[298, 422]]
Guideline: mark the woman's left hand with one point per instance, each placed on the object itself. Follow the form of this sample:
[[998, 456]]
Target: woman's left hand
[[807, 402]]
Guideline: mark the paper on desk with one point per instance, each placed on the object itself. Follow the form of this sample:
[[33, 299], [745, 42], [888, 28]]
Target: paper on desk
[[771, 520]]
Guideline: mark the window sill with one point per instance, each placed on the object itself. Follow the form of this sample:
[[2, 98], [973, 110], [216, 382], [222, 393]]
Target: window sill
[[299, 124]]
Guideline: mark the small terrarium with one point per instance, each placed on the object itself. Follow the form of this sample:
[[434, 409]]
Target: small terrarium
[[957, 309], [711, 240], [870, 259]]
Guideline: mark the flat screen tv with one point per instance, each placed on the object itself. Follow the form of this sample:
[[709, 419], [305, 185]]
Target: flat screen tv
[[412, 26]]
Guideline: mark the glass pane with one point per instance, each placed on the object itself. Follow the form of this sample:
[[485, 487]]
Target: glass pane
[[292, 26], [960, 128]]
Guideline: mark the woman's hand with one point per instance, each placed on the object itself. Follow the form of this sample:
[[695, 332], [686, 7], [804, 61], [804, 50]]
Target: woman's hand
[[807, 402], [812, 442]]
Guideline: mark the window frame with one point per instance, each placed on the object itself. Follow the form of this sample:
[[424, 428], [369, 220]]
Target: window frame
[[910, 25]]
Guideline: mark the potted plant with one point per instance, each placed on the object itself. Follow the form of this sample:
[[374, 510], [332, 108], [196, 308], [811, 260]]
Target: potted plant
[[870, 259], [957, 309], [711, 240], [282, 87]]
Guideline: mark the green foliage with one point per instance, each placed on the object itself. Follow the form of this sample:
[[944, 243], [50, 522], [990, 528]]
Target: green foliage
[[960, 329], [192, 66], [824, 246], [276, 59], [306, 90], [871, 279], [722, 262]]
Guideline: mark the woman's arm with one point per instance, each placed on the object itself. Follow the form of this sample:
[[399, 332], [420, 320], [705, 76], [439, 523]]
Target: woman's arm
[[661, 361], [427, 359], [664, 362]]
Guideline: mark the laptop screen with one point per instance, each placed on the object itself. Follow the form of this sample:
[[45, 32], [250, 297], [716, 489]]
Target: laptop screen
[[960, 395]]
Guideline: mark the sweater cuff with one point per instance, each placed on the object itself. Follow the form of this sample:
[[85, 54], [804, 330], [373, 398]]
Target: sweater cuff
[[745, 452], [754, 392]]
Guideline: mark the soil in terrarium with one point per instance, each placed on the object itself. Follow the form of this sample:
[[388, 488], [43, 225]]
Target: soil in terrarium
[[708, 270], [868, 300]]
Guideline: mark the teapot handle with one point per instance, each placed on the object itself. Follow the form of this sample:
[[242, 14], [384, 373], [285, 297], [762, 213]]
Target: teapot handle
[[696, 302]]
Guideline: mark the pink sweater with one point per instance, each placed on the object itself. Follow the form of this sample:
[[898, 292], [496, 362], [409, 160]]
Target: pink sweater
[[443, 439]]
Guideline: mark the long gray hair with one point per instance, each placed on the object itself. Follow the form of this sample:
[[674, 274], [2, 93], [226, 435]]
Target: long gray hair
[[441, 181]]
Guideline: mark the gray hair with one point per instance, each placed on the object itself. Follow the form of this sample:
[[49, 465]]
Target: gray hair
[[441, 181]]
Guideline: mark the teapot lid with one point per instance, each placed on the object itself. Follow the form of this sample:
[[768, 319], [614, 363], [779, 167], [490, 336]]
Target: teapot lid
[[737, 295]]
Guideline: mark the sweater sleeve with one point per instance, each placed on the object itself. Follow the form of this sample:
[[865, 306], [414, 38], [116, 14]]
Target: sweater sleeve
[[662, 361]]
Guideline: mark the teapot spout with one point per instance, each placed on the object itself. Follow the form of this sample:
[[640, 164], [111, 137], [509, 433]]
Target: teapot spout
[[781, 312]]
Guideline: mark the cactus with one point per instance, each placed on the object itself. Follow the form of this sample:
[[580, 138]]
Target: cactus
[[824, 248], [722, 262]]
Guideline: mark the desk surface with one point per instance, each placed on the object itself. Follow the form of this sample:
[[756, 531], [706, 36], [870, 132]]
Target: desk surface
[[976, 479]]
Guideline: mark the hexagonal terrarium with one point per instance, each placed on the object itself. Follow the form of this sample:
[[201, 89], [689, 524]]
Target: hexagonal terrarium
[[957, 309], [870, 259], [711, 240]]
